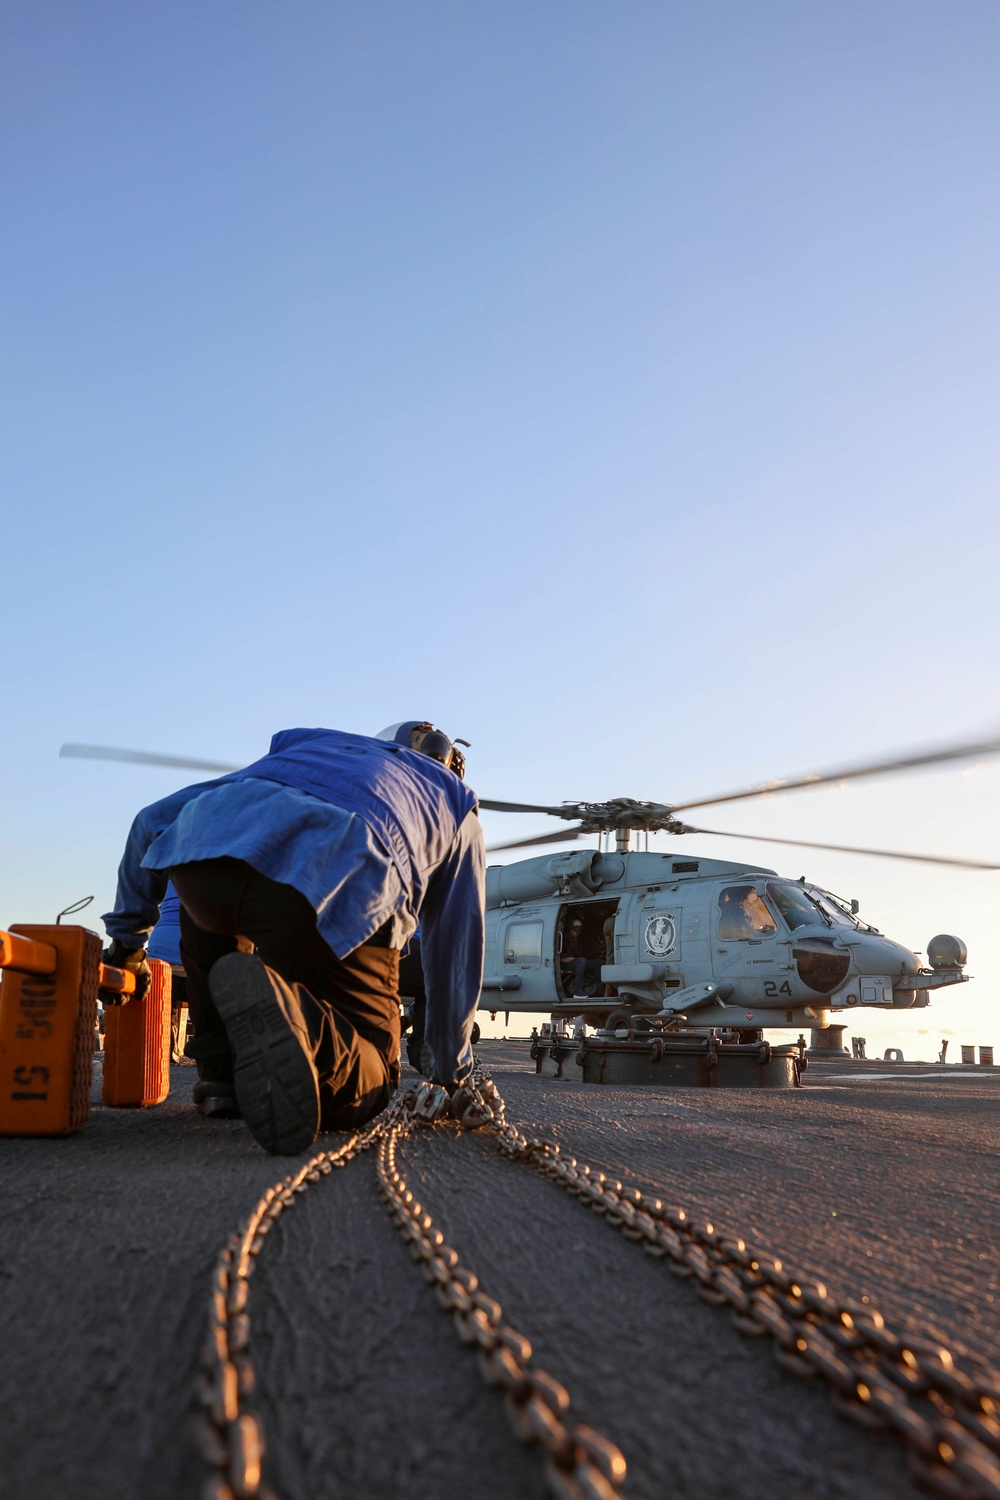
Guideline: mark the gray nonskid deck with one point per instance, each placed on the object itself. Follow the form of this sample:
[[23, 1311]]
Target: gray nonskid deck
[[883, 1187]]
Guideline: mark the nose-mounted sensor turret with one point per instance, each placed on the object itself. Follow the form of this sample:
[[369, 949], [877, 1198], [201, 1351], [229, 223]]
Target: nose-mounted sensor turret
[[946, 952]]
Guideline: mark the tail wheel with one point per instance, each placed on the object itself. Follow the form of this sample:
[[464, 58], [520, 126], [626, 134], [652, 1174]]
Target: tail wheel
[[625, 1018], [620, 1019]]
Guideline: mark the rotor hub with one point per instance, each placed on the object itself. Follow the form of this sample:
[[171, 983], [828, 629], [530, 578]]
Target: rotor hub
[[623, 814]]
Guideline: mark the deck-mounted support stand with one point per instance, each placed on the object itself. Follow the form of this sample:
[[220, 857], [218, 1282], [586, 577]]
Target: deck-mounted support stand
[[827, 1044]]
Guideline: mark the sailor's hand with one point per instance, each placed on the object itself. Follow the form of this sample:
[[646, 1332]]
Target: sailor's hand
[[117, 955]]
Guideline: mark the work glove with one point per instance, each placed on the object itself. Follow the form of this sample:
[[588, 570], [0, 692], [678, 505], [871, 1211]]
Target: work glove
[[117, 955]]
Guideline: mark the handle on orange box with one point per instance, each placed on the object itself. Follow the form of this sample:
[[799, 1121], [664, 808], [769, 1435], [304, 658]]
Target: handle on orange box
[[25, 955], [122, 981], [29, 957]]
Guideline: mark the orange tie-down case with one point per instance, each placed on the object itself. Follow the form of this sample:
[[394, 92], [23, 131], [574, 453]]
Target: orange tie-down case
[[137, 1045], [47, 1024]]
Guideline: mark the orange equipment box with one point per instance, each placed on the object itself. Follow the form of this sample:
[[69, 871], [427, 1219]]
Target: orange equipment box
[[48, 1013], [137, 1045]]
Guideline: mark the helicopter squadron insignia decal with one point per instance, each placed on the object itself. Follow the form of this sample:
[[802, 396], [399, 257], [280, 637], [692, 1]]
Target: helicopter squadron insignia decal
[[661, 934]]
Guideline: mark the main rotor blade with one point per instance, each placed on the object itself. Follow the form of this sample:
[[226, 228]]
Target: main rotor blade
[[565, 836], [143, 758], [924, 859], [967, 750], [556, 812]]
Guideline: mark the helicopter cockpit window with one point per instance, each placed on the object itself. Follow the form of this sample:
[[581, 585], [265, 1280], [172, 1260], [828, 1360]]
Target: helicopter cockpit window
[[743, 914], [833, 909], [797, 907], [523, 943]]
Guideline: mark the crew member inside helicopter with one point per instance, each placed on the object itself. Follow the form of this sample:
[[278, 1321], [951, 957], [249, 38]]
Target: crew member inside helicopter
[[324, 854], [743, 914], [578, 965]]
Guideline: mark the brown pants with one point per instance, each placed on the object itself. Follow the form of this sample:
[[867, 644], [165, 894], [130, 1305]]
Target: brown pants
[[349, 1006]]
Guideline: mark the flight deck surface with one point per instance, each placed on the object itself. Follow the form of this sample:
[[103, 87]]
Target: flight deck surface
[[879, 1179]]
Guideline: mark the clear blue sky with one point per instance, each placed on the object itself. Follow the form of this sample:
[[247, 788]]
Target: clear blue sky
[[615, 384]]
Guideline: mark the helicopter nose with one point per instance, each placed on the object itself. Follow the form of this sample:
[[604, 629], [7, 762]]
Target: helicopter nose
[[874, 954]]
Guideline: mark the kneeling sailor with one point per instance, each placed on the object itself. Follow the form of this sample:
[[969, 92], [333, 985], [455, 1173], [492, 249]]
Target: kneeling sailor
[[322, 857]]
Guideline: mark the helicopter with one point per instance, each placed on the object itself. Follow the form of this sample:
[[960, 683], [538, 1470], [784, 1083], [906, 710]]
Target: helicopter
[[619, 936]]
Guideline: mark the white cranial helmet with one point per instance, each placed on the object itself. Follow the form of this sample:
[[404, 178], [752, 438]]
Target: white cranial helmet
[[420, 734]]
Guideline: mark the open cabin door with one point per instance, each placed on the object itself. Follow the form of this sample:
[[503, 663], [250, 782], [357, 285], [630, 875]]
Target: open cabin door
[[525, 947], [580, 957]]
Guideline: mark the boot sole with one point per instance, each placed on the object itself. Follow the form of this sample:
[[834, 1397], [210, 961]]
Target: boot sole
[[217, 1108], [273, 1076]]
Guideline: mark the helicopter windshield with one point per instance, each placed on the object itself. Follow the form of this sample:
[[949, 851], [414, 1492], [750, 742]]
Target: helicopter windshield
[[833, 909], [796, 905]]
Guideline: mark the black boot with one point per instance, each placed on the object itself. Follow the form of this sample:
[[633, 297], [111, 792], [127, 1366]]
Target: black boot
[[216, 1099], [274, 1075]]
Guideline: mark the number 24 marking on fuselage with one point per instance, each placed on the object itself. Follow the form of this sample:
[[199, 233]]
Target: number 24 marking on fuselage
[[771, 987]]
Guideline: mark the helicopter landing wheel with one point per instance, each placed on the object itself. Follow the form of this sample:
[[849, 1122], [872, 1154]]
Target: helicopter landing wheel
[[476, 1034], [621, 1019]]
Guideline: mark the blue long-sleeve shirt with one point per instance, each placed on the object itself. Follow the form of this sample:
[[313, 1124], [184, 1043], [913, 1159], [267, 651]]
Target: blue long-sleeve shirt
[[368, 831], [165, 938]]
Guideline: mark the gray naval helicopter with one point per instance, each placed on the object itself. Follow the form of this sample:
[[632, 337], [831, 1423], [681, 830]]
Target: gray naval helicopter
[[634, 938], [629, 938]]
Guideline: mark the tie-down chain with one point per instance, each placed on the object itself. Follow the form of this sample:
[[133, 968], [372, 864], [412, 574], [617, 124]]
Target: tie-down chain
[[945, 1410]]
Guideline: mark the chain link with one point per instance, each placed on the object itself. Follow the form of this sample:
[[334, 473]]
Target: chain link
[[580, 1463], [230, 1437], [945, 1410]]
